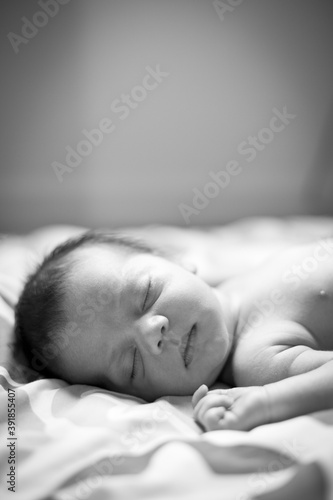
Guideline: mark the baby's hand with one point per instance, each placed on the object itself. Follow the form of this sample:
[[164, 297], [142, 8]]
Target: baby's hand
[[240, 408]]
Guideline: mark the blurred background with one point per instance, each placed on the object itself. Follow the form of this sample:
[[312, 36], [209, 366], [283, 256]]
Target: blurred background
[[217, 70]]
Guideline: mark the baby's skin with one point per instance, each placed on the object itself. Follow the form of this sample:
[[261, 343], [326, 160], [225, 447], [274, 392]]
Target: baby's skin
[[151, 327], [141, 324], [282, 355]]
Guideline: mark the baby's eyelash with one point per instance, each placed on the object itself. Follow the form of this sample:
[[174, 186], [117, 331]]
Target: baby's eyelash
[[147, 294], [133, 374]]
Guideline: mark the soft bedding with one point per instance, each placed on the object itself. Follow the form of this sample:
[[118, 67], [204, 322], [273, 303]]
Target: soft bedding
[[60, 441]]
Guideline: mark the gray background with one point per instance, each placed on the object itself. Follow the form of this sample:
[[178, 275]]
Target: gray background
[[225, 76]]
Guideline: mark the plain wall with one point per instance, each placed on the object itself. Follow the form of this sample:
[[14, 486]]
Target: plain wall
[[225, 77]]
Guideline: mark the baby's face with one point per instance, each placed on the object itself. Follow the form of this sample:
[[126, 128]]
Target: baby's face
[[148, 327]]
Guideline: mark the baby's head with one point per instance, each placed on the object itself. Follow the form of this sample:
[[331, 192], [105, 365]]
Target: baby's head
[[108, 310]]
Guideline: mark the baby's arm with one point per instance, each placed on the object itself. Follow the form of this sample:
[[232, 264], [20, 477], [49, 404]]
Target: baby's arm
[[309, 388], [304, 385]]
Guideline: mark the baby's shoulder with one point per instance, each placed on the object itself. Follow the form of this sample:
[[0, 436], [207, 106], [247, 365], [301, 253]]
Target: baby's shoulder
[[257, 358]]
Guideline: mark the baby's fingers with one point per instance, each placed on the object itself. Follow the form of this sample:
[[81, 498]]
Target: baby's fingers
[[199, 394], [210, 401], [212, 420]]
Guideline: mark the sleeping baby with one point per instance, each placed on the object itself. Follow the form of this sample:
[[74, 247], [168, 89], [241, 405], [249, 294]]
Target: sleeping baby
[[111, 311]]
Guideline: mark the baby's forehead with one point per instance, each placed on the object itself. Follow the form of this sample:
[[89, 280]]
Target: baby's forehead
[[102, 278], [95, 279], [95, 259], [95, 265], [98, 250]]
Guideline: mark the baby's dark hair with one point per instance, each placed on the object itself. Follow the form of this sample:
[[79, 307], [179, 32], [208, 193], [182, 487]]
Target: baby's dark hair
[[40, 313]]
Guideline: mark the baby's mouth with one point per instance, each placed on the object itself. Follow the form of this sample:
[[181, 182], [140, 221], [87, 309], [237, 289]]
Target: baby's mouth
[[188, 349]]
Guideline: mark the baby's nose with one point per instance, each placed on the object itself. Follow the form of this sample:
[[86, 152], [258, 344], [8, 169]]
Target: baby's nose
[[156, 329]]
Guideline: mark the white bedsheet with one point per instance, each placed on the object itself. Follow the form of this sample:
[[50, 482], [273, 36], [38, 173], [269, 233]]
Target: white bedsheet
[[78, 442]]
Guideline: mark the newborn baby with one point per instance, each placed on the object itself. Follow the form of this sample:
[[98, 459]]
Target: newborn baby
[[108, 310]]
